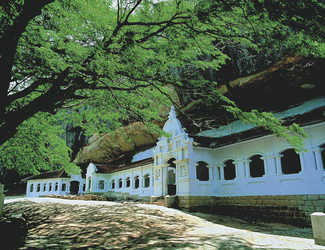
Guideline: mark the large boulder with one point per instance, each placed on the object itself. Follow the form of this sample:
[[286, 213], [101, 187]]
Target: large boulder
[[132, 138], [128, 139]]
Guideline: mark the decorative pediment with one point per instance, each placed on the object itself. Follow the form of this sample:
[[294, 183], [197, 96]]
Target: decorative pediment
[[173, 126], [176, 145]]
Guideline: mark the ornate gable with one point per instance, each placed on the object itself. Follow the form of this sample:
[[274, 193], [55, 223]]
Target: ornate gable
[[172, 147]]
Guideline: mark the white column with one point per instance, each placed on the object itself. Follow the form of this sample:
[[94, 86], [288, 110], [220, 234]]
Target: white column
[[81, 186], [247, 169], [216, 173], [141, 182], [318, 157], [266, 169], [239, 169], [222, 172], [269, 165], [152, 177], [211, 177], [164, 180], [278, 164], [176, 177], [302, 162]]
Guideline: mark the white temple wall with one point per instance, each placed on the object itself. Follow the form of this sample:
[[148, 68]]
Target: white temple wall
[[310, 180], [260, 166], [53, 186], [47, 186], [118, 181]]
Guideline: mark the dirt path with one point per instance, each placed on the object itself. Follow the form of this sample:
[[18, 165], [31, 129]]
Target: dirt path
[[65, 224]]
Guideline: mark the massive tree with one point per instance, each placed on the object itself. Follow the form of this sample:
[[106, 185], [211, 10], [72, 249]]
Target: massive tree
[[105, 62]]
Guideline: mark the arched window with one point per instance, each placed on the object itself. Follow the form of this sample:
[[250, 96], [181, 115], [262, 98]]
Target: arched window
[[256, 166], [146, 181], [38, 187], [56, 187], [64, 187], [127, 182], [290, 162], [230, 170], [113, 184], [44, 187], [136, 182], [120, 183], [202, 171], [50, 186], [101, 184], [31, 188]]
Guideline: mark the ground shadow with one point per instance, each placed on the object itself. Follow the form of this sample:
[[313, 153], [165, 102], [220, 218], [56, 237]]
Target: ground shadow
[[122, 226], [259, 226]]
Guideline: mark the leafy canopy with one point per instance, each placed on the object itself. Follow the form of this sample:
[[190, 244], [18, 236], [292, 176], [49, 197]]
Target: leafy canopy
[[102, 64], [36, 146]]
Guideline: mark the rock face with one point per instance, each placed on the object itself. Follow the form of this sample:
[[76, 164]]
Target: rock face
[[131, 138], [75, 138], [128, 139], [265, 90]]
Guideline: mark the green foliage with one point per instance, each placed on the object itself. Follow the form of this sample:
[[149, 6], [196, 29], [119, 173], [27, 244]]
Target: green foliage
[[37, 146], [293, 134], [103, 64]]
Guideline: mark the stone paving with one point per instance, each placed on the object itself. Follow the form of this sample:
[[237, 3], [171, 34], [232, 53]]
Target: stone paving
[[65, 224]]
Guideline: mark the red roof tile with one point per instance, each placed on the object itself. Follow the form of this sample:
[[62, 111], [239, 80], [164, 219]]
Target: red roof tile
[[48, 175], [113, 169]]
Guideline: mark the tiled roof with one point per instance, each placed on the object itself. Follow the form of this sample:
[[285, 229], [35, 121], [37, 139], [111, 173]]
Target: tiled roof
[[102, 169], [308, 118], [48, 175], [113, 169]]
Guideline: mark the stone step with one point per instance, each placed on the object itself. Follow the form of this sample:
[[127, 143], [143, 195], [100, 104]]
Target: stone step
[[159, 203], [127, 196]]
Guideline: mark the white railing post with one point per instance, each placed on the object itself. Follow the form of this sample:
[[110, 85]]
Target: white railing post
[[318, 225]]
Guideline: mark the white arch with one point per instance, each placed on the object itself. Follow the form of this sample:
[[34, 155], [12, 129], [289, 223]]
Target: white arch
[[283, 148], [168, 157], [227, 159], [251, 154], [125, 181], [205, 161]]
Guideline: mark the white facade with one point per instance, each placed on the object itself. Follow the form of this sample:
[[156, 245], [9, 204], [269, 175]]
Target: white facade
[[136, 181], [55, 186], [260, 166], [305, 175]]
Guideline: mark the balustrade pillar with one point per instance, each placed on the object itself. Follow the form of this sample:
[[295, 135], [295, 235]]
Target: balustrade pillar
[[222, 172], [302, 162], [278, 164], [165, 180], [318, 158], [247, 169], [211, 174]]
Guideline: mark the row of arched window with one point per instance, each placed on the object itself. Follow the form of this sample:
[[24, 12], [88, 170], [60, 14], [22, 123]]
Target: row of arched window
[[290, 164], [256, 167], [43, 188], [127, 182]]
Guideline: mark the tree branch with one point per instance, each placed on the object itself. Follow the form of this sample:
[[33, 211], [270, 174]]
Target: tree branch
[[9, 42]]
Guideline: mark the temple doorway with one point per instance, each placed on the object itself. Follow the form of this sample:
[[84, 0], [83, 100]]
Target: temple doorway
[[171, 181], [74, 187]]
